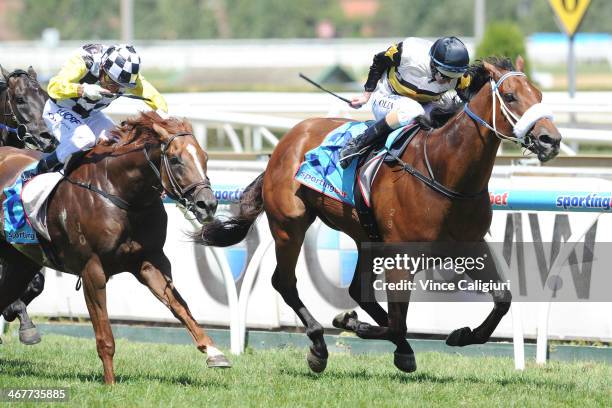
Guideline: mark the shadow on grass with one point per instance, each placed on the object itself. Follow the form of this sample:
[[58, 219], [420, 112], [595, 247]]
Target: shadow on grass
[[19, 368], [425, 377]]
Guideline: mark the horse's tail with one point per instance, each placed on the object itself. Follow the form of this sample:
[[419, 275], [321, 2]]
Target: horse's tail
[[222, 233]]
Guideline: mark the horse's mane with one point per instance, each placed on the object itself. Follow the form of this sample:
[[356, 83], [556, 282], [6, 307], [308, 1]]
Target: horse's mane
[[442, 113], [140, 128]]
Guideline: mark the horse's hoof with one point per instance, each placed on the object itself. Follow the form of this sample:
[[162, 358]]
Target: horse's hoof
[[317, 364], [405, 362], [342, 319], [460, 337], [219, 361], [29, 336]]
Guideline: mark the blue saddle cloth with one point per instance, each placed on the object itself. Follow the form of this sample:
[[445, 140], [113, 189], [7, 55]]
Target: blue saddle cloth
[[17, 229], [321, 169]]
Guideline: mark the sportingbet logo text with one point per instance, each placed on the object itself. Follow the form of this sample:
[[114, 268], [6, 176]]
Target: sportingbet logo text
[[499, 199], [591, 200]]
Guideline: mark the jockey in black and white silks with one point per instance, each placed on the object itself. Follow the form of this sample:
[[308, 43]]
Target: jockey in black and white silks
[[404, 81], [87, 83]]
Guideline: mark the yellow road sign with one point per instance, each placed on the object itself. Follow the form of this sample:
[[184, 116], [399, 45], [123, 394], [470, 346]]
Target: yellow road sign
[[570, 13]]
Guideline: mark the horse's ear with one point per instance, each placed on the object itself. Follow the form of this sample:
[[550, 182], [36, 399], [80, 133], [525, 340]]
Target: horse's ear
[[520, 64], [493, 71], [5, 73], [163, 133], [31, 72]]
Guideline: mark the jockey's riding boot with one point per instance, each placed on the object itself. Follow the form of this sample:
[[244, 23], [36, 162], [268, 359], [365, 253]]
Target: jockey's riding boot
[[49, 162], [354, 146]]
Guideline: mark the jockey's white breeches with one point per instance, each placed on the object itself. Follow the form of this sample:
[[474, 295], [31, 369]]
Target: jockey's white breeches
[[73, 132], [407, 109]]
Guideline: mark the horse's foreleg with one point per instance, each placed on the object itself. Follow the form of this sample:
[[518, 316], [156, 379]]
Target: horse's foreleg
[[363, 294], [157, 276], [362, 291], [28, 333], [502, 299], [94, 289], [404, 355]]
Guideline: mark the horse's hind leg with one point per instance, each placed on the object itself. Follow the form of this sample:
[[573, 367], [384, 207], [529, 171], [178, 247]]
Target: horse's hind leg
[[155, 273], [501, 298], [289, 235], [28, 333]]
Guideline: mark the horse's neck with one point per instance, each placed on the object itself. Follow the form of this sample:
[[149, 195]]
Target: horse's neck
[[462, 155], [135, 180]]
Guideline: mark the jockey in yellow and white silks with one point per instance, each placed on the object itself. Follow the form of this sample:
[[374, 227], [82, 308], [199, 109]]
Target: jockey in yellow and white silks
[[405, 81], [82, 88]]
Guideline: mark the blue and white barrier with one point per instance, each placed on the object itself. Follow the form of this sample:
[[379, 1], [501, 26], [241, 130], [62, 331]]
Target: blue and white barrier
[[231, 286]]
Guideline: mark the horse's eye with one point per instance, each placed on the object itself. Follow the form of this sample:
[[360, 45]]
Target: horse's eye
[[20, 100], [509, 97], [175, 161]]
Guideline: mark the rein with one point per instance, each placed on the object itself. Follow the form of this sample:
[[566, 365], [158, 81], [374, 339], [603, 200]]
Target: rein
[[179, 193], [431, 181]]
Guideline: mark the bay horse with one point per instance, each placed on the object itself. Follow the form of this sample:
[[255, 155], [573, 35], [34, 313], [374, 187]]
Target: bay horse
[[22, 101], [107, 217], [451, 205]]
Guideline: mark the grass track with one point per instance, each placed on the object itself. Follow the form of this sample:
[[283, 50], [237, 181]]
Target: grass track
[[176, 376]]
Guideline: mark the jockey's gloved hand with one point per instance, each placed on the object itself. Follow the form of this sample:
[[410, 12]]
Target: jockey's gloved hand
[[361, 100], [93, 91]]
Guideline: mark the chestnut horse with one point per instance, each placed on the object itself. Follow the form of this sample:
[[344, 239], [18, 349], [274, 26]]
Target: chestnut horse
[[107, 217], [452, 206]]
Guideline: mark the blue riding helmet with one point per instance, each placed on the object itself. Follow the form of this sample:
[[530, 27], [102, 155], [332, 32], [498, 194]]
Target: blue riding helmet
[[449, 56]]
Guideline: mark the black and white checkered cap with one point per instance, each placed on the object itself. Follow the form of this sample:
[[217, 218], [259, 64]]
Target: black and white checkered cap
[[122, 63]]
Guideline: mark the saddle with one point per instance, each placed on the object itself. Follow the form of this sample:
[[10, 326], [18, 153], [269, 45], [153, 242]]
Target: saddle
[[322, 172], [367, 167]]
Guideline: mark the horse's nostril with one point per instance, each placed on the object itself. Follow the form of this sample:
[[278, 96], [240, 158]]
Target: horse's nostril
[[208, 205]]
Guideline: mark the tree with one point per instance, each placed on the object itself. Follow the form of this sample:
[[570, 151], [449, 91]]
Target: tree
[[503, 39]]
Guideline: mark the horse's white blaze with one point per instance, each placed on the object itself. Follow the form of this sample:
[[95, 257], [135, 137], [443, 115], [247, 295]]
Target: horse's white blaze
[[192, 151], [213, 351]]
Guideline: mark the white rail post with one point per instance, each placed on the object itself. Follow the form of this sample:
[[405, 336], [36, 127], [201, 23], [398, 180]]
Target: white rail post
[[518, 342], [544, 313], [2, 324], [250, 275]]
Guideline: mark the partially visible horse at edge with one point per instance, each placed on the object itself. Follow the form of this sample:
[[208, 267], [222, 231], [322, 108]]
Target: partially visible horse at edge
[[107, 217], [453, 205], [22, 101]]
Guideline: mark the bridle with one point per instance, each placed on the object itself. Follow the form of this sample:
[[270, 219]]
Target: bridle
[[175, 192], [521, 126], [21, 131], [12, 112]]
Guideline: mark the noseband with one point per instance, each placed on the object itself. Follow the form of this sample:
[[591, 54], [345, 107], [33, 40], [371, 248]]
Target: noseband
[[520, 126], [176, 192]]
